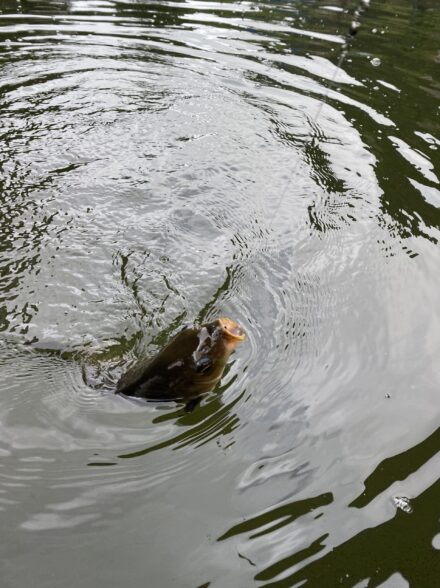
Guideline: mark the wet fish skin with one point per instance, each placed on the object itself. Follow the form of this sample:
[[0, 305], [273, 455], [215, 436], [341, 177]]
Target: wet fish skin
[[190, 365]]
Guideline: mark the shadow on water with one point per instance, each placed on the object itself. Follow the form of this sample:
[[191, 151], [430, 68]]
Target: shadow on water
[[405, 168], [397, 467], [206, 423], [400, 546], [278, 517], [275, 519]]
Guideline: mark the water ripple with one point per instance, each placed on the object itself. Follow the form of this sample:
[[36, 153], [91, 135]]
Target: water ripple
[[169, 162]]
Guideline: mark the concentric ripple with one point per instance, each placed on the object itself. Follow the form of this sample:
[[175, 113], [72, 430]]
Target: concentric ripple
[[163, 163]]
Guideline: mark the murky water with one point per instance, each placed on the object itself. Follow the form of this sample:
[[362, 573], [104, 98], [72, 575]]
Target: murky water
[[167, 162]]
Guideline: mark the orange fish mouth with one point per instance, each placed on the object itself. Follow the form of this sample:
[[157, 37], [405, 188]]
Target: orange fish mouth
[[231, 329]]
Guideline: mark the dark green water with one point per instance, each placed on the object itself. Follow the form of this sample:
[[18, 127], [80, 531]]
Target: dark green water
[[168, 162]]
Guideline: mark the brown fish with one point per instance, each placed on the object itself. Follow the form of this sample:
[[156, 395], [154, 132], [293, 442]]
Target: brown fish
[[191, 364]]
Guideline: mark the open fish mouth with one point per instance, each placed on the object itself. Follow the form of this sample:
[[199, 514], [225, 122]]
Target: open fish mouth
[[231, 329]]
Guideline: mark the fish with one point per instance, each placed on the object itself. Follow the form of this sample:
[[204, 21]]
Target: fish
[[190, 365]]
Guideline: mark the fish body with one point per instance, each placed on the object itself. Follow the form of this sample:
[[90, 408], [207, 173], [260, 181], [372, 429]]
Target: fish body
[[191, 364]]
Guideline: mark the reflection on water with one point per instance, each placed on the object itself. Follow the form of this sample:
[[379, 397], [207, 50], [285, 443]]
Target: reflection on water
[[403, 547], [170, 162]]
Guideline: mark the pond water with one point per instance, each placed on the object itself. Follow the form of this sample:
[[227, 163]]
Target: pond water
[[169, 162]]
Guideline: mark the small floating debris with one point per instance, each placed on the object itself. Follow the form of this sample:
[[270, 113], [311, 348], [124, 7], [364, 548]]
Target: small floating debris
[[403, 503], [375, 62]]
